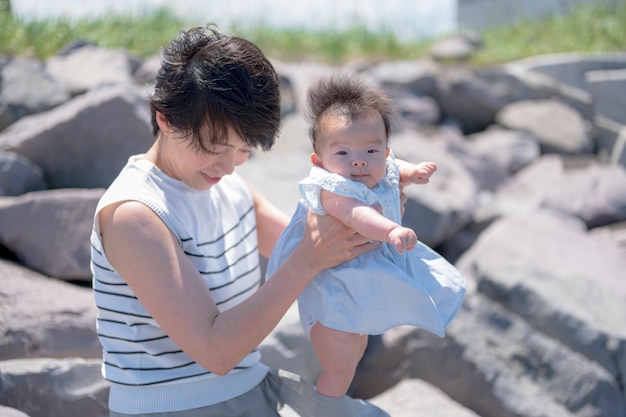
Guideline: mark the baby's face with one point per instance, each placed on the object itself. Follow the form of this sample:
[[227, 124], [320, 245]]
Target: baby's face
[[355, 149]]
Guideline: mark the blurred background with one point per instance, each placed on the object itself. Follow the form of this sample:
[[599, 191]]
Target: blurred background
[[407, 19]]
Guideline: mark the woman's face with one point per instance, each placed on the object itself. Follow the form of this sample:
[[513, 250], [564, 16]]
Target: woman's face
[[355, 149], [197, 168]]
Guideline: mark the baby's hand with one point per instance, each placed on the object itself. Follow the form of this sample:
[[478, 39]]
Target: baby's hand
[[402, 238], [423, 172]]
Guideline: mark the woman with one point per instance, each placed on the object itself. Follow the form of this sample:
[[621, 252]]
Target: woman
[[176, 244]]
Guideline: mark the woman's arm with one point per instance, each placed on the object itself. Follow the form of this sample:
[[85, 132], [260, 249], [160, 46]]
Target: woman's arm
[[146, 254]]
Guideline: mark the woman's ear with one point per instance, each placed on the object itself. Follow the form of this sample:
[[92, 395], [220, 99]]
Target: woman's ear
[[164, 125], [316, 160]]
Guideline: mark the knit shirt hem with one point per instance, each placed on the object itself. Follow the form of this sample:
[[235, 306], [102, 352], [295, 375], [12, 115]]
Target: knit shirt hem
[[178, 396]]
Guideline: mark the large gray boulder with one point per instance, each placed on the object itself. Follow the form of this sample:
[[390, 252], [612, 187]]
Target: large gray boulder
[[572, 292], [86, 66], [588, 190], [558, 127], [418, 78], [11, 412], [85, 142], [44, 317], [26, 88], [414, 397], [49, 230], [54, 387], [18, 175], [494, 363], [470, 99], [510, 149]]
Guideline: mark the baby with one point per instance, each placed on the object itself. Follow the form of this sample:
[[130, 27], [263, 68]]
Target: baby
[[356, 179]]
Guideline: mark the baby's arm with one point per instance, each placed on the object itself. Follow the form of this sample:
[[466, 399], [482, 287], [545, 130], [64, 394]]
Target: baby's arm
[[415, 173], [367, 221]]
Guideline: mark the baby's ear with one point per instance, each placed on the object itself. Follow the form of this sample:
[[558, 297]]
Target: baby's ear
[[315, 159], [387, 154]]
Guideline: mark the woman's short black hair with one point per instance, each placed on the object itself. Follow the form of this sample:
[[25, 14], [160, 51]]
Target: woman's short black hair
[[210, 82]]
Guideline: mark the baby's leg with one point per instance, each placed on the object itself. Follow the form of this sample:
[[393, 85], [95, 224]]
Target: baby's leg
[[339, 354]]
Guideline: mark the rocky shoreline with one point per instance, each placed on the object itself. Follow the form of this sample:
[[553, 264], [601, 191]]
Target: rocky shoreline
[[529, 202]]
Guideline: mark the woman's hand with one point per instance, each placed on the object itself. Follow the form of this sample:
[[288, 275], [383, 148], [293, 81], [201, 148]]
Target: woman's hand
[[332, 242]]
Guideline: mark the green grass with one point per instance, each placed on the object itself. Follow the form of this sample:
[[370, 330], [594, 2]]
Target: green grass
[[332, 46], [597, 28], [590, 29], [142, 35]]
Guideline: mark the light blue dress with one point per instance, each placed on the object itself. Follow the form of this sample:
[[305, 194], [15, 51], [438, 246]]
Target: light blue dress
[[381, 289]]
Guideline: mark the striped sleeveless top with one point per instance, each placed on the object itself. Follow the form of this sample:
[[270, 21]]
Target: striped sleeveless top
[[216, 229]]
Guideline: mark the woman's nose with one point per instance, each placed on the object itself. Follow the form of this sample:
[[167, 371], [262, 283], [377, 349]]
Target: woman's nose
[[226, 166]]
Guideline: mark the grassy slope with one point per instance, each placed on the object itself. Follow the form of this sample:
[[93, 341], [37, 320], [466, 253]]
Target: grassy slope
[[587, 29]]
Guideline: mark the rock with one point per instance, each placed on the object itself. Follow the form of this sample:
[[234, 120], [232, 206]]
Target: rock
[[618, 154], [49, 231], [572, 293], [471, 99], [417, 78], [11, 412], [96, 132], [558, 127], [510, 149], [414, 111], [147, 70], [525, 84], [298, 77], [599, 74], [454, 48], [18, 175], [414, 397], [25, 88], [494, 363], [592, 192], [54, 387], [86, 67], [487, 171], [613, 234], [44, 317]]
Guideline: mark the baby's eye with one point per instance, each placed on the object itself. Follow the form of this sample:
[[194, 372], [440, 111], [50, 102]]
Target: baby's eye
[[342, 153], [372, 151]]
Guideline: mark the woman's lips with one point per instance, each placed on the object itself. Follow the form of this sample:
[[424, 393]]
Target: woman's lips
[[211, 180]]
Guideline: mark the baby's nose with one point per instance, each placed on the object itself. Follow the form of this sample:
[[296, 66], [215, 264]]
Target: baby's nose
[[359, 162]]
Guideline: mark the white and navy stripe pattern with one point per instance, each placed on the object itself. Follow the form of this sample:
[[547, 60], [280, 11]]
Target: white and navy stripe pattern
[[216, 230]]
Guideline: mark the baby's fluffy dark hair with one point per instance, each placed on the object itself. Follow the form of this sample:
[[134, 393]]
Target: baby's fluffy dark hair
[[345, 95]]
